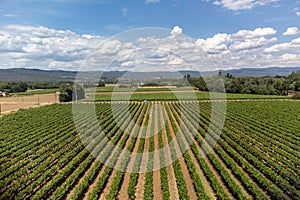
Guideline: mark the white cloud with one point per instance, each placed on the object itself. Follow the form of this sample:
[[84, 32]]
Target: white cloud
[[298, 13], [258, 32], [42, 47], [296, 41], [291, 31], [242, 40], [151, 1], [176, 31], [217, 44], [176, 61], [18, 27], [277, 48], [242, 4], [249, 44], [289, 56], [293, 46]]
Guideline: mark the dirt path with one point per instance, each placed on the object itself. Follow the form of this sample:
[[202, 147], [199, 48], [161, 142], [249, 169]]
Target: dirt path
[[139, 192], [123, 191], [157, 192], [91, 187], [206, 184], [120, 159], [71, 192], [189, 182], [216, 174], [170, 170]]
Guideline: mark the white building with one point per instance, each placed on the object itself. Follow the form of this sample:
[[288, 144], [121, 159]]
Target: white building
[[3, 94]]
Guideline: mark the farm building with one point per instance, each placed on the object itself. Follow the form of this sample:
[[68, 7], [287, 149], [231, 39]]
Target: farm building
[[291, 94], [3, 94]]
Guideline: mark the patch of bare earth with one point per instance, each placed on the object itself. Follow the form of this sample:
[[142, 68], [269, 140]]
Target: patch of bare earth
[[91, 187], [71, 192], [139, 192], [170, 170], [206, 184], [10, 104], [188, 180], [157, 193], [119, 161], [216, 174], [123, 191]]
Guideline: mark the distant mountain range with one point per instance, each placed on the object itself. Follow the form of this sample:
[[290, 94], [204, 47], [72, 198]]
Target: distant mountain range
[[22, 74]]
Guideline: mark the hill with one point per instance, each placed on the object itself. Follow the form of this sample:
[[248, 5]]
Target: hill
[[22, 74]]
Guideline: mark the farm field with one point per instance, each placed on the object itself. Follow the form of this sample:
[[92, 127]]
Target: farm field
[[37, 91], [172, 95], [9, 104], [142, 89], [256, 157]]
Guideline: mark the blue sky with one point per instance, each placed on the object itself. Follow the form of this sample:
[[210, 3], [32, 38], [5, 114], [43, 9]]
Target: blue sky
[[268, 27]]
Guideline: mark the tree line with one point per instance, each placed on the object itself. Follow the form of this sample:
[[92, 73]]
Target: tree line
[[278, 85], [68, 91], [13, 87]]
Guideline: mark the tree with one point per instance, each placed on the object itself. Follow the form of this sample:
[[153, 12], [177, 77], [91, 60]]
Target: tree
[[13, 87], [69, 93], [219, 73], [101, 84]]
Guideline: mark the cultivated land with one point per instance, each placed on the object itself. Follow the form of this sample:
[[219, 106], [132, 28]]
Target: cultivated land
[[162, 94], [256, 157], [9, 104]]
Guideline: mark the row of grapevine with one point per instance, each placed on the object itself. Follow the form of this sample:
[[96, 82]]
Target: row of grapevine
[[256, 157]]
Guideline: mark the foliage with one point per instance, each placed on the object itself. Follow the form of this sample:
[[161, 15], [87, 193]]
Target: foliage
[[249, 85], [189, 95], [296, 96], [101, 84], [151, 84], [42, 155], [71, 93], [38, 91], [11, 87]]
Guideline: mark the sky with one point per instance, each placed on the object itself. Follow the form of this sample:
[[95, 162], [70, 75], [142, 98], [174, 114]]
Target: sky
[[147, 35]]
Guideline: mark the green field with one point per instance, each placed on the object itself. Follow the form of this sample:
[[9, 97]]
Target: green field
[[39, 91], [256, 157], [178, 96], [140, 89]]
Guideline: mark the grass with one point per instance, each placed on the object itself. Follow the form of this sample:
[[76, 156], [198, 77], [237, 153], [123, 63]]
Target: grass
[[38, 91], [145, 89], [179, 96]]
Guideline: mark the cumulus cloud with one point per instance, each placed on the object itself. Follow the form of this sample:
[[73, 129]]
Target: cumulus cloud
[[291, 31], [46, 48], [298, 13], [242, 4], [249, 44], [296, 41], [216, 44], [40, 46], [293, 46], [258, 32], [176, 31], [242, 40]]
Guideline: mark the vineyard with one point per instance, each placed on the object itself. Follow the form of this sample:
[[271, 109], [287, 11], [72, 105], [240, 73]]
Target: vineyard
[[255, 157], [173, 95]]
